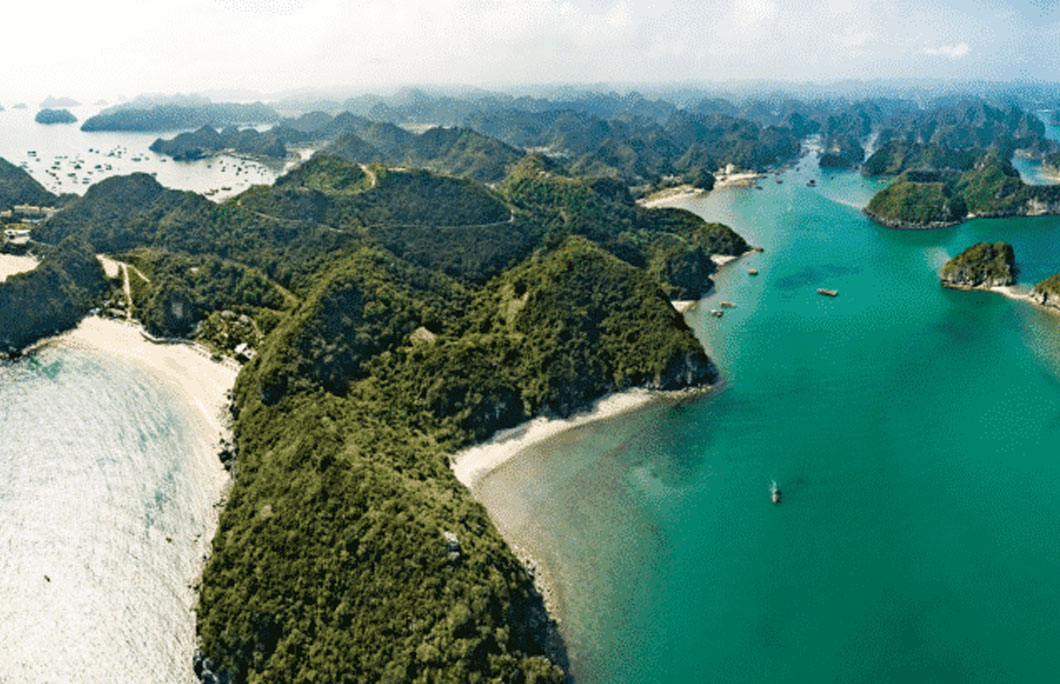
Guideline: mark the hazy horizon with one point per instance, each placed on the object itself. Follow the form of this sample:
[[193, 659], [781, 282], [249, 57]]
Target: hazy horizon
[[120, 47]]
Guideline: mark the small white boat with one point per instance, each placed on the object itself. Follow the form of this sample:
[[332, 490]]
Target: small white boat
[[774, 492]]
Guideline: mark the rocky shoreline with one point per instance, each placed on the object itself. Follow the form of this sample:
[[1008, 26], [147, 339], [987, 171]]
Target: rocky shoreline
[[901, 224]]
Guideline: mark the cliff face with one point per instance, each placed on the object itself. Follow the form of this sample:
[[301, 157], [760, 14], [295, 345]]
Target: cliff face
[[1047, 292], [981, 266], [686, 369]]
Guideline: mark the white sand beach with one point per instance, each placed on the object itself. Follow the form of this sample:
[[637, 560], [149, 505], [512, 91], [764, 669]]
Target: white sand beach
[[667, 195], [473, 463], [738, 179], [684, 305], [187, 370], [11, 264]]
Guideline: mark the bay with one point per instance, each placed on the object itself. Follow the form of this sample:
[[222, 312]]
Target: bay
[[914, 431], [109, 485], [76, 154]]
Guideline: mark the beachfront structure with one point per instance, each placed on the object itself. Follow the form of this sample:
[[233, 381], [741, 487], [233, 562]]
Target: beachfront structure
[[30, 212]]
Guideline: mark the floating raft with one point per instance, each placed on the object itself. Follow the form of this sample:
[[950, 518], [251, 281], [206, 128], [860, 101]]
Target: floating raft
[[827, 292]]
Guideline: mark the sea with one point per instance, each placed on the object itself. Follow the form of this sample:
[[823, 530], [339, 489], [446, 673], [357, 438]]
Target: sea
[[66, 159], [108, 495], [914, 433]]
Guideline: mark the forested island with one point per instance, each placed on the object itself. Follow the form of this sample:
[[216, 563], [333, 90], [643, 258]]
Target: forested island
[[177, 115], [981, 266], [953, 163], [55, 116]]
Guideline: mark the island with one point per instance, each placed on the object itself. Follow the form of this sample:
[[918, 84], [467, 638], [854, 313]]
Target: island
[[58, 102], [207, 141], [178, 116], [55, 116], [1047, 293], [917, 200], [980, 267], [951, 164], [388, 317]]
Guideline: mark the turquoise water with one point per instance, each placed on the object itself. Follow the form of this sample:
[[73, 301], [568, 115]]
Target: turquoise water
[[107, 488], [914, 431]]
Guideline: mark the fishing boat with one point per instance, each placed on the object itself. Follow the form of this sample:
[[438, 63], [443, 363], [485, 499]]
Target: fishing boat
[[727, 305], [752, 271], [827, 293], [774, 492], [717, 313]]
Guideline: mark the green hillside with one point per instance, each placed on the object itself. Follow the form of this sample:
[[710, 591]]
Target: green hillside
[[983, 265], [398, 316], [18, 187]]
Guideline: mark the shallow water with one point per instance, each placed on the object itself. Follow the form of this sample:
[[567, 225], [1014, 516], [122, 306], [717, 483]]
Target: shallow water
[[914, 431], [107, 490]]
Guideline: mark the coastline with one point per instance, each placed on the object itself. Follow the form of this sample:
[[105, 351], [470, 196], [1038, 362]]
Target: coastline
[[662, 197], [1011, 292], [472, 465], [202, 389], [196, 380], [475, 462]]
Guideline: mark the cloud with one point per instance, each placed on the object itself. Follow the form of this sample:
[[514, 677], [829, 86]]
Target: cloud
[[852, 38], [270, 45], [955, 51], [750, 13]]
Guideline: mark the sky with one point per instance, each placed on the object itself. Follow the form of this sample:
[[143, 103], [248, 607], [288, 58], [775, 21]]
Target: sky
[[107, 48]]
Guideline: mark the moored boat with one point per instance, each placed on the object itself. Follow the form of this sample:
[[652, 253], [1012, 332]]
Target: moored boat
[[827, 293], [774, 492]]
